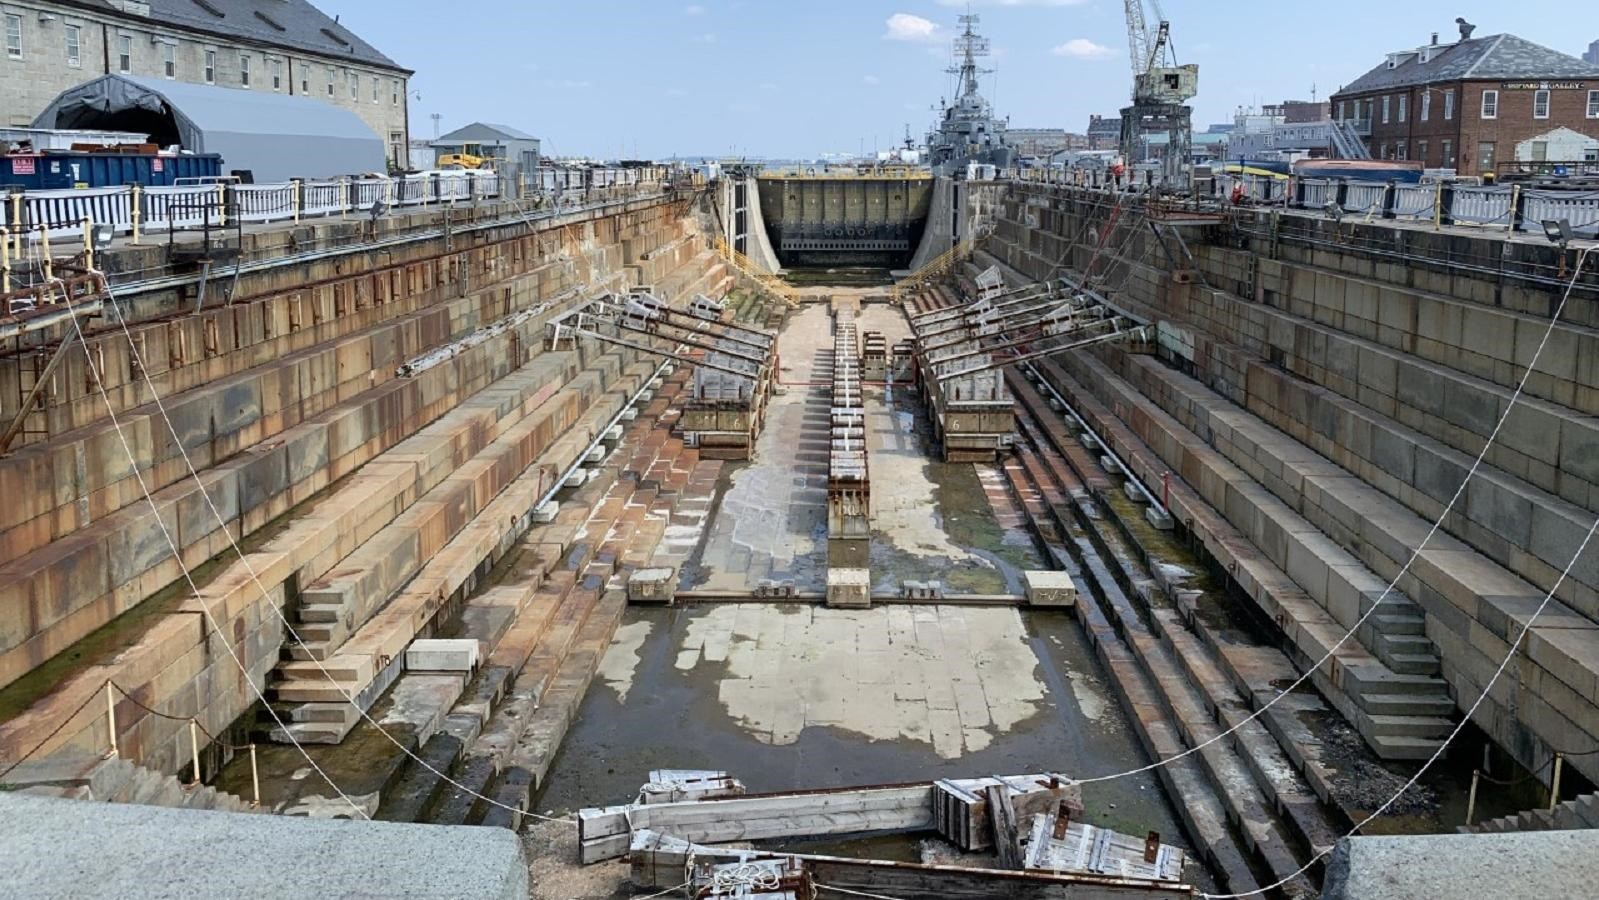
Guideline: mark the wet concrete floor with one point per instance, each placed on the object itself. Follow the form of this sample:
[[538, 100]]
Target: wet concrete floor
[[776, 701]]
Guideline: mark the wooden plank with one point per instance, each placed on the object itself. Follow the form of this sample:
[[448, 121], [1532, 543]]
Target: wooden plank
[[1002, 818]]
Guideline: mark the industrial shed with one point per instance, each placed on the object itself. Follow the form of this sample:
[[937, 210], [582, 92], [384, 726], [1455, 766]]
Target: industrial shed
[[274, 136]]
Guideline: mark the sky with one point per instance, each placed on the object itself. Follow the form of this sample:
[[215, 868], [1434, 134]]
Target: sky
[[802, 78]]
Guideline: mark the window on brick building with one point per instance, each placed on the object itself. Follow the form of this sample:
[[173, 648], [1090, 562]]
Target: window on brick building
[[1449, 105], [1448, 150], [394, 92], [332, 79], [276, 65], [210, 67], [1485, 156], [74, 37], [13, 36], [244, 70], [1593, 104], [1490, 104], [1387, 104], [124, 53], [377, 88], [1421, 152], [1540, 105], [355, 85], [169, 60], [1426, 104], [305, 79], [1404, 101], [1400, 150]]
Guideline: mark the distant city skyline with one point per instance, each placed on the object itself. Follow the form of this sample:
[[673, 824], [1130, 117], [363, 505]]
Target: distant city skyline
[[769, 78]]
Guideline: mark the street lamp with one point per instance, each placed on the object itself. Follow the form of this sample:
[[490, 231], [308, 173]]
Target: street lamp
[[1558, 231]]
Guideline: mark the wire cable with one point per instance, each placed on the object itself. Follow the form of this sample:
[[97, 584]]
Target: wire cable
[[1311, 669], [289, 628], [95, 695], [177, 553]]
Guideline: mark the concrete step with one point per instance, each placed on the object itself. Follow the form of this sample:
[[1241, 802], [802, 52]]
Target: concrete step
[[1414, 663], [1390, 746], [1411, 726], [1411, 644], [1567, 817], [309, 733], [1407, 704], [319, 613], [1587, 807], [1395, 624]]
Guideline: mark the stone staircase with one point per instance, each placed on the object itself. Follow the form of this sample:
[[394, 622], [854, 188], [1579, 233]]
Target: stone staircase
[[1580, 812], [117, 780]]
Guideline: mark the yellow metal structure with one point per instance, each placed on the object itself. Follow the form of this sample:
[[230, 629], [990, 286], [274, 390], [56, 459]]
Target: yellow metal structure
[[766, 279], [465, 161]]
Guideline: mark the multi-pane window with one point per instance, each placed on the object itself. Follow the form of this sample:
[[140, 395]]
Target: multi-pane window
[[305, 80], [1485, 156], [1593, 104], [210, 67], [332, 77], [277, 73], [1342, 104], [13, 35], [244, 70], [169, 60], [1490, 104], [1540, 104], [1421, 152], [74, 38], [1400, 152], [1426, 104], [1387, 104], [355, 85], [124, 53], [1404, 100], [1449, 105], [377, 88], [1540, 151], [1449, 153]]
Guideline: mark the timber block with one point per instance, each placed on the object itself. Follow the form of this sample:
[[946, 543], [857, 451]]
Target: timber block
[[1049, 588], [849, 588]]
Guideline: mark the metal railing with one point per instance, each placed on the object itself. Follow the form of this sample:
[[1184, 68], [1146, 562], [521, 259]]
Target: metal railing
[[766, 279], [937, 267], [136, 209], [1508, 207]]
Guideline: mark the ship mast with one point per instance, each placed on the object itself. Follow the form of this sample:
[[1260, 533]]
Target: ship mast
[[969, 45]]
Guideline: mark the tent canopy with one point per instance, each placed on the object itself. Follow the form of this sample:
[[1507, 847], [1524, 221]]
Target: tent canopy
[[274, 136]]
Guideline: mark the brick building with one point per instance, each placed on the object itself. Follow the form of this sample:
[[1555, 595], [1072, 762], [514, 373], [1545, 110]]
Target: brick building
[[1104, 132], [285, 46], [1476, 105]]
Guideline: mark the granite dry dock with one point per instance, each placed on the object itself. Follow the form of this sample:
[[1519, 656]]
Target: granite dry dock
[[1072, 506]]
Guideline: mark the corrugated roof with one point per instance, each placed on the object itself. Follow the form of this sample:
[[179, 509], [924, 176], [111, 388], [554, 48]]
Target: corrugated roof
[[481, 131], [1491, 58], [292, 24]]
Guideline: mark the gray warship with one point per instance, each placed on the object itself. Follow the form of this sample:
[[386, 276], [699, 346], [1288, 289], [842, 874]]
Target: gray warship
[[968, 132]]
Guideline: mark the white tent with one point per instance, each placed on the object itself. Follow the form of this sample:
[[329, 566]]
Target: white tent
[[274, 136]]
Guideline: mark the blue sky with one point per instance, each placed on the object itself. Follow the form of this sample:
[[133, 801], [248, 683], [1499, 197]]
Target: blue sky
[[806, 77]]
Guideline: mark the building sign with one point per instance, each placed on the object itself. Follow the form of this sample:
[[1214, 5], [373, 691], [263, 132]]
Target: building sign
[[22, 165], [1544, 85], [157, 164]]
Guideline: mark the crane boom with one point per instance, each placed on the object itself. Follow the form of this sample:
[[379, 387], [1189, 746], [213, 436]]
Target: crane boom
[[1137, 36]]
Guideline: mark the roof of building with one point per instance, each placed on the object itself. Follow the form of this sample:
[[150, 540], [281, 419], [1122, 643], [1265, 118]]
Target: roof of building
[[486, 131], [292, 24], [1495, 57]]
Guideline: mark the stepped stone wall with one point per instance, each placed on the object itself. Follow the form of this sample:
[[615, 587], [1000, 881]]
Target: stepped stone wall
[[289, 390], [1343, 377]]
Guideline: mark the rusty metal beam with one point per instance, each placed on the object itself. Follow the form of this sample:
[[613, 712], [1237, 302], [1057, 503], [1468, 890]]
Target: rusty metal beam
[[28, 402], [1025, 357]]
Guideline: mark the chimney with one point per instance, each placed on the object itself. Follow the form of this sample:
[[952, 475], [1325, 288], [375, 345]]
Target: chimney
[[1435, 38], [1466, 28]]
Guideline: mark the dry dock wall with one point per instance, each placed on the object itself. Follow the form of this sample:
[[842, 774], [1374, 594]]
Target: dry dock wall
[[1325, 387], [277, 397]]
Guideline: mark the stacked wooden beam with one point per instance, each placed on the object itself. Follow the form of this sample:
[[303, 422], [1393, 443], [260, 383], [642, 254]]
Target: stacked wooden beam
[[848, 476]]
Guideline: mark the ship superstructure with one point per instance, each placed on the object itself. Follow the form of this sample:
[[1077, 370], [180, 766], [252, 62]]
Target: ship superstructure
[[968, 131]]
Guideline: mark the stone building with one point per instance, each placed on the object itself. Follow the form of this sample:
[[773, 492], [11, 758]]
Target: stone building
[[1476, 105], [284, 46]]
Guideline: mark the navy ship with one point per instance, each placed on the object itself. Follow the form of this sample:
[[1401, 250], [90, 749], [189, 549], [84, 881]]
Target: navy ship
[[968, 132]]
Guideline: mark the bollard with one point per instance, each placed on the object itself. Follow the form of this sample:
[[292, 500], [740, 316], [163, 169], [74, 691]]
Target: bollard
[[44, 253], [194, 751], [1471, 798], [299, 199], [1554, 784], [255, 777], [111, 717], [5, 260], [88, 242]]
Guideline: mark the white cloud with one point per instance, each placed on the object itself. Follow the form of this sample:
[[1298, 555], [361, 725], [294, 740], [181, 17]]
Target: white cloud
[[1083, 48], [693, 9], [906, 27], [871, 79], [706, 38]]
